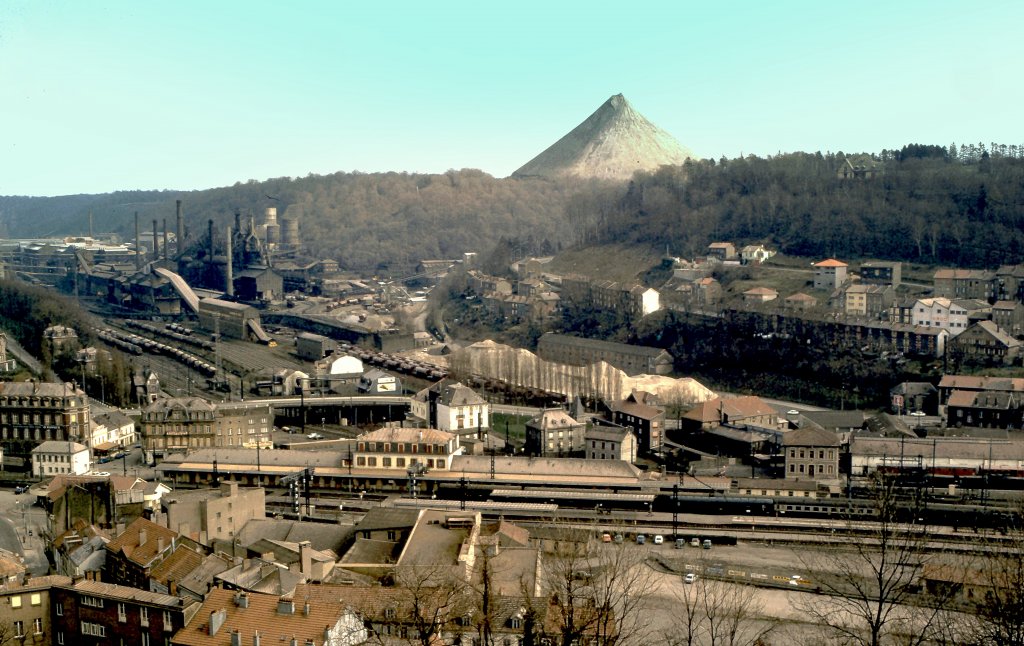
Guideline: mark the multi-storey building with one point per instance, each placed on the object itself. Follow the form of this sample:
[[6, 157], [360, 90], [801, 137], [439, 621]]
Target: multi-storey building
[[54, 457], [553, 432], [577, 351], [640, 413], [181, 424], [811, 453], [103, 614], [966, 283], [941, 313], [829, 274], [602, 442], [630, 300], [881, 273], [208, 515], [133, 554], [25, 609], [32, 412], [401, 448], [871, 301], [452, 407]]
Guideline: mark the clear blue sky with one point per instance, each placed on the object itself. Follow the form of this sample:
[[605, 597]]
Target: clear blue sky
[[97, 96]]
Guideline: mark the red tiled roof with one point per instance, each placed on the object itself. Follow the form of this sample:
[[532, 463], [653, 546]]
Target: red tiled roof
[[831, 262], [128, 541]]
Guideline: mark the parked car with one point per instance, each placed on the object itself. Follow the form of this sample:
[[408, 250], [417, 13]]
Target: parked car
[[680, 543], [658, 539], [315, 436], [707, 543], [690, 577], [21, 489], [640, 539], [606, 538], [695, 542], [618, 538]]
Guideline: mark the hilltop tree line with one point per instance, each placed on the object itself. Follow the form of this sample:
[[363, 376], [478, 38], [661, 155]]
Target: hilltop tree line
[[947, 204], [955, 206]]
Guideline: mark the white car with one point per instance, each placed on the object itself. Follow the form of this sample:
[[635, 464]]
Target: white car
[[659, 539], [690, 578], [315, 436]]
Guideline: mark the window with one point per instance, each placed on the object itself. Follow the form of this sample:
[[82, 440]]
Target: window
[[60, 609], [37, 625], [60, 639], [399, 462], [16, 602], [19, 629], [167, 621], [371, 462], [389, 613], [94, 602], [144, 616], [792, 468], [96, 630], [385, 462], [145, 639]]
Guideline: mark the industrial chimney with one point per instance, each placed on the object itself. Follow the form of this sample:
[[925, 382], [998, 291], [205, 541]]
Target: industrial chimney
[[138, 250], [229, 276], [210, 232], [180, 230], [90, 225], [156, 241], [167, 250]]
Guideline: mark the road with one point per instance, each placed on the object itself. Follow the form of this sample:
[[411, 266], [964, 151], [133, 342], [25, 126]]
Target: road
[[20, 525]]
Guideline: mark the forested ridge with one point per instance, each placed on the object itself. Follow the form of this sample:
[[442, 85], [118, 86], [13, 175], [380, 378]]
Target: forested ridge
[[930, 204], [951, 205]]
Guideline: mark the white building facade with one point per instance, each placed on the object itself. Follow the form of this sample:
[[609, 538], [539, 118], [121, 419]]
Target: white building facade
[[55, 458]]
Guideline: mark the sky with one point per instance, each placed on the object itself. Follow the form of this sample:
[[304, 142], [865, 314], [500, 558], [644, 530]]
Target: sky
[[98, 96]]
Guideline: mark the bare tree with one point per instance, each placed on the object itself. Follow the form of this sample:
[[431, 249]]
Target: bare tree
[[596, 591], [710, 611], [871, 577]]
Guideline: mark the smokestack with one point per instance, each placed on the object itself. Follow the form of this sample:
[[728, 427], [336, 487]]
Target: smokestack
[[90, 224], [156, 241], [167, 253], [210, 225], [238, 220], [230, 275], [180, 229], [138, 250]]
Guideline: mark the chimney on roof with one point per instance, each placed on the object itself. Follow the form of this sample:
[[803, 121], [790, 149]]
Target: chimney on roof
[[236, 638], [159, 544], [305, 558], [242, 600], [305, 609], [142, 536], [217, 620], [285, 606]]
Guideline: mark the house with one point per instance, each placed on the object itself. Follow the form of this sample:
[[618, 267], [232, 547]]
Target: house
[[755, 254], [758, 295], [830, 274], [745, 410], [875, 272], [459, 408], [401, 448], [705, 292], [610, 442], [27, 613], [984, 409], [911, 396], [965, 283], [133, 554], [111, 431], [811, 453], [234, 618], [859, 167], [871, 301], [1009, 316], [800, 302], [553, 432], [640, 413], [722, 251], [986, 343], [79, 552], [940, 312], [1009, 283], [53, 457]]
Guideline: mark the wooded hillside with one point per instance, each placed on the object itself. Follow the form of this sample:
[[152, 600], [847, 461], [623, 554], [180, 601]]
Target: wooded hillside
[[945, 205]]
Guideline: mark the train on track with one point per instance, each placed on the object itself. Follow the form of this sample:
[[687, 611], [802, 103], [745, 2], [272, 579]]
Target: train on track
[[922, 511]]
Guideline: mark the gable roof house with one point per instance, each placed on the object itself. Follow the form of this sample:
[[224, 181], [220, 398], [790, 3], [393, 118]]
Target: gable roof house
[[746, 410], [985, 343], [132, 555]]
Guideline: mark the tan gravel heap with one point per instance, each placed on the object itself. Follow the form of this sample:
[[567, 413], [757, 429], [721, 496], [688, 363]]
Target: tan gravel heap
[[613, 143]]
